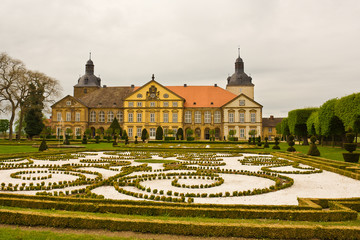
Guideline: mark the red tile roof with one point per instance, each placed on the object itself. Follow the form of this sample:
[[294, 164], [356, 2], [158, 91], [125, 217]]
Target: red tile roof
[[203, 96]]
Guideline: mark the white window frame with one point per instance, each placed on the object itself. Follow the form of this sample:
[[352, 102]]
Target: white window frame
[[139, 104], [110, 116], [242, 132], [92, 116], [139, 117], [165, 104], [197, 117], [101, 116], [152, 104], [130, 132], [152, 117], [231, 117], [175, 104], [152, 133], [270, 130], [188, 116], [174, 117], [58, 116], [253, 117], [131, 104], [77, 116], [68, 103], [207, 117], [138, 132], [68, 116], [130, 117], [120, 116], [242, 117], [217, 117], [77, 131], [165, 117]]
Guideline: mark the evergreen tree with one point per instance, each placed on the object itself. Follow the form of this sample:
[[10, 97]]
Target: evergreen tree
[[84, 140], [159, 133], [115, 126], [43, 145], [180, 134], [144, 135], [33, 114]]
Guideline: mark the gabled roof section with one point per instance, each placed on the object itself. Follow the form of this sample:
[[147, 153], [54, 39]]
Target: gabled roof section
[[107, 97], [136, 89], [243, 95], [69, 97], [271, 122], [203, 96]]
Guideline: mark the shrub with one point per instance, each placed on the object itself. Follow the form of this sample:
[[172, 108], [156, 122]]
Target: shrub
[[350, 146], [136, 141], [97, 138], [84, 140], [266, 144], [43, 145], [313, 150], [159, 133], [291, 144]]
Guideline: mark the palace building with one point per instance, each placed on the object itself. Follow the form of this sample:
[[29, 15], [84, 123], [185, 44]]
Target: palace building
[[200, 108]]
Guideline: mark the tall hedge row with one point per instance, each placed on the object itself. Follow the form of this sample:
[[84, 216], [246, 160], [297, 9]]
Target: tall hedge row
[[326, 113], [348, 108], [313, 124], [297, 122]]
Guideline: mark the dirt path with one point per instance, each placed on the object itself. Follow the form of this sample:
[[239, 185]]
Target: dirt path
[[107, 233]]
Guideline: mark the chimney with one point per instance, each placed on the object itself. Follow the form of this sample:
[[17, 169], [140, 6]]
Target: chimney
[[104, 86], [185, 85], [271, 117], [215, 85], [132, 86]]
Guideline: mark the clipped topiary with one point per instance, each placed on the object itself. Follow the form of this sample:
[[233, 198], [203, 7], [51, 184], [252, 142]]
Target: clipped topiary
[[159, 133], [259, 141], [266, 144], [313, 150], [350, 146], [43, 145], [66, 141], [276, 143], [97, 139], [136, 141], [291, 144], [84, 140]]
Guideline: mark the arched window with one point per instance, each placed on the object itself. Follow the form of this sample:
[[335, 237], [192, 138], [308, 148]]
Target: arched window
[[120, 116], [101, 116], [110, 116], [92, 116]]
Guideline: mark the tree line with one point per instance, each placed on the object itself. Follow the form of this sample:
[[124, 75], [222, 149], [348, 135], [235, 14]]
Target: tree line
[[330, 121], [25, 93]]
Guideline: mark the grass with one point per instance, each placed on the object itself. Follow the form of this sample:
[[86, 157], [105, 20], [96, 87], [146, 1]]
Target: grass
[[18, 233]]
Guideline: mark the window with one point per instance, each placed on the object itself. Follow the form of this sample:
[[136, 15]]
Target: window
[[166, 95], [58, 116], [242, 117], [120, 116], [139, 104], [197, 117], [187, 117], [152, 132], [242, 102], [174, 104], [77, 117], [207, 117], [152, 117], [242, 133], [270, 130], [130, 117], [68, 103], [175, 131], [92, 116], [166, 104], [253, 117], [77, 131], [131, 104], [130, 132], [139, 117], [58, 131], [217, 117], [101, 116], [110, 116], [175, 117], [152, 104], [138, 131], [166, 117], [231, 117], [139, 95]]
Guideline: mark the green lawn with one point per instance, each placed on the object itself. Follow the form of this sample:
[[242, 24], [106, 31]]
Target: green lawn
[[6, 149], [17, 233]]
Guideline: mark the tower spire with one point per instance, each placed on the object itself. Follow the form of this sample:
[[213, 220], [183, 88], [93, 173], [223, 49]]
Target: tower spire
[[90, 55], [239, 51]]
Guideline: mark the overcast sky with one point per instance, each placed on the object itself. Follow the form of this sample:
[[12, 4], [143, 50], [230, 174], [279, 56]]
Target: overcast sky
[[299, 53]]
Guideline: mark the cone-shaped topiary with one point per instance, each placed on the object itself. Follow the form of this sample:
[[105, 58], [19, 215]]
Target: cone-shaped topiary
[[313, 150], [291, 144], [84, 140], [136, 141], [276, 143], [259, 141], [97, 138], [43, 145], [266, 144], [159, 133], [66, 141]]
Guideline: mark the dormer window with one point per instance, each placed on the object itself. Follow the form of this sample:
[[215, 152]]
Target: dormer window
[[194, 103], [68, 103], [242, 102]]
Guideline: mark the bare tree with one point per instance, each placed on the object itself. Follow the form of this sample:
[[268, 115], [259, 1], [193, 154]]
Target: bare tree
[[11, 75]]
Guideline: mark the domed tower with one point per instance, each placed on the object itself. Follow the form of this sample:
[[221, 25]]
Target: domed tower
[[88, 82], [240, 82]]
